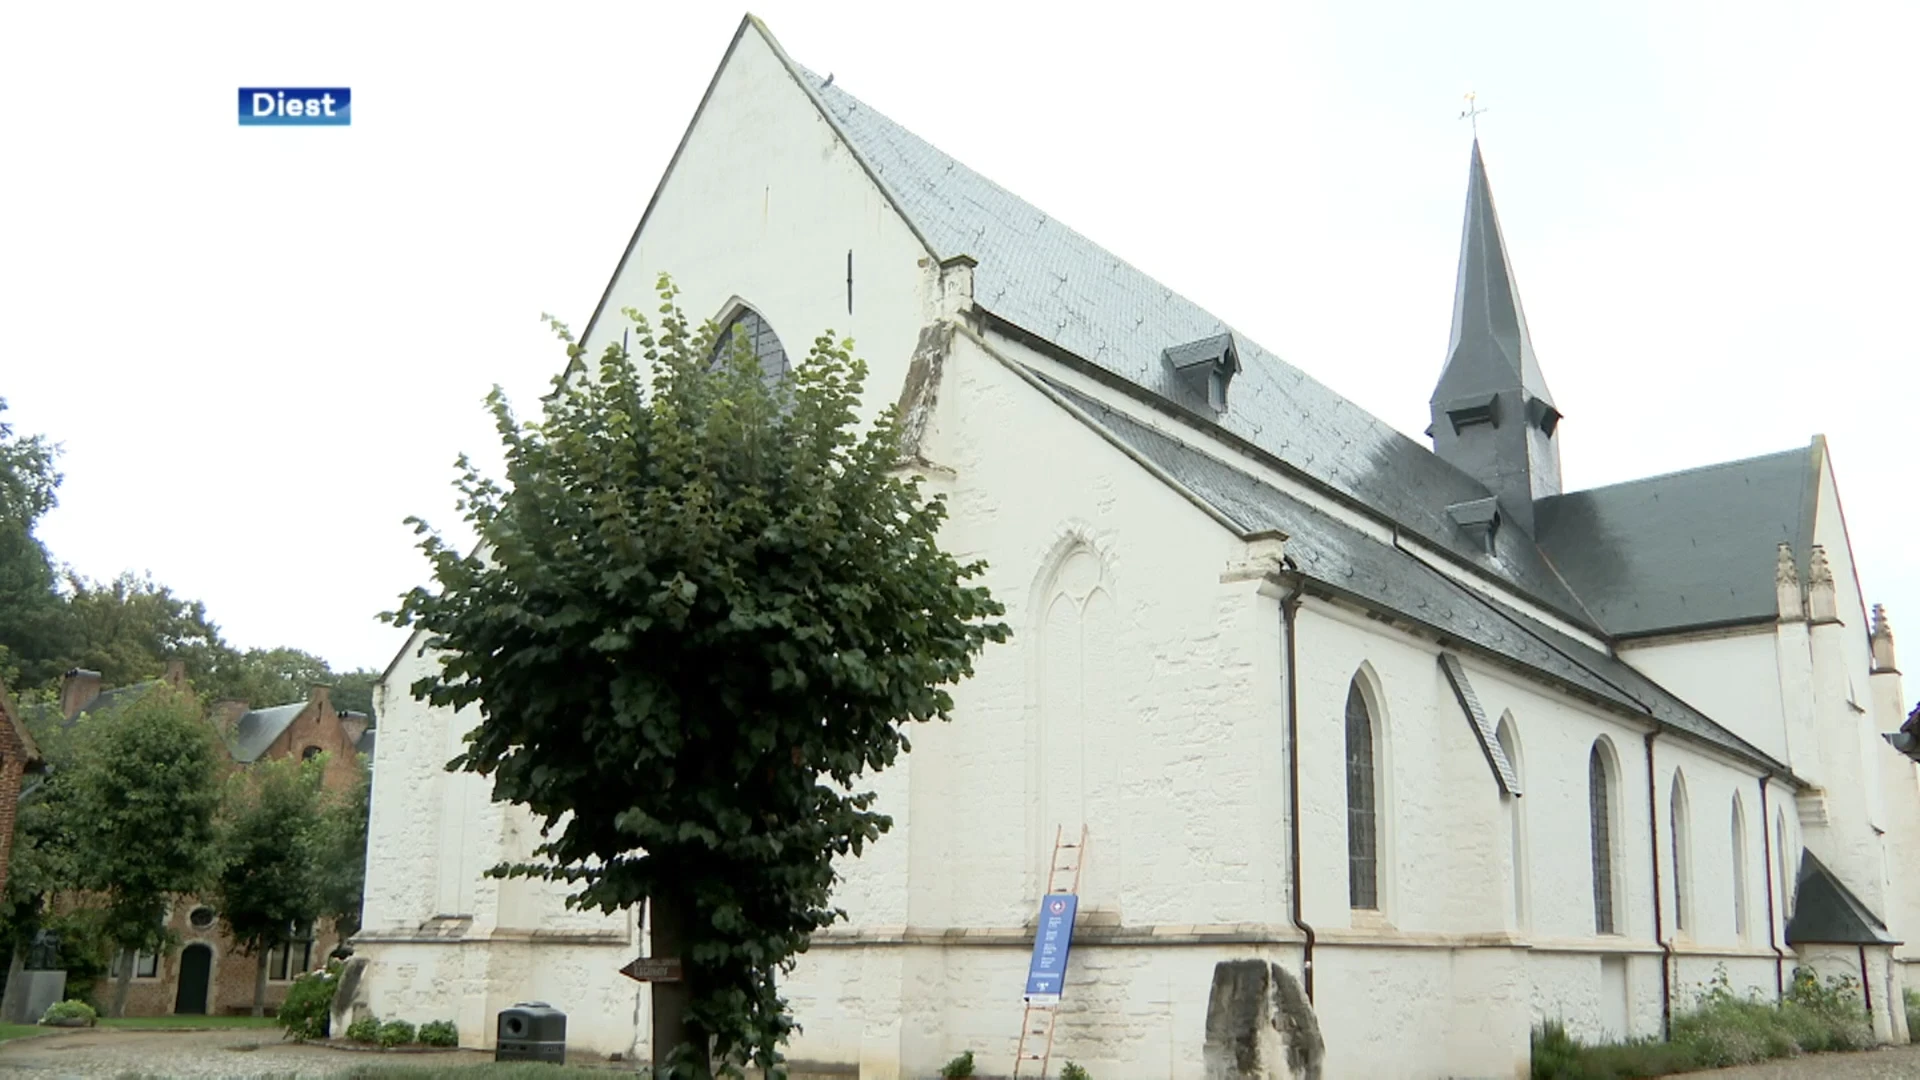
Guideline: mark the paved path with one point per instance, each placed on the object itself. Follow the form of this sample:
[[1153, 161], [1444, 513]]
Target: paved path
[[105, 1054]]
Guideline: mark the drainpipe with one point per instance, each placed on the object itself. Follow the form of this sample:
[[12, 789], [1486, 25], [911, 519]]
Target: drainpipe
[[1289, 607], [1659, 932], [1773, 929], [1866, 984]]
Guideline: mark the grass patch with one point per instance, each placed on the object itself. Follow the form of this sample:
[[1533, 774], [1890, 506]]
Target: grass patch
[[1722, 1029], [21, 1031], [171, 1023]]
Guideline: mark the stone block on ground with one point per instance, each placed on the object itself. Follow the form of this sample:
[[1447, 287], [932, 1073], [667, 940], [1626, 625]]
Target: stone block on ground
[[350, 997], [1259, 1025]]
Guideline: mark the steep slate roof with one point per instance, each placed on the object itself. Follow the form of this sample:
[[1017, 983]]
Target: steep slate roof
[[1049, 281], [1040, 277], [1825, 911], [1382, 576], [258, 728], [1694, 548]]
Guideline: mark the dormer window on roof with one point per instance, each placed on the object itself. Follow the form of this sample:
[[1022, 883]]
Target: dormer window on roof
[[1203, 369]]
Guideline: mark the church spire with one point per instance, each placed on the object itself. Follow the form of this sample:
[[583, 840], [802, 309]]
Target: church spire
[[1492, 414]]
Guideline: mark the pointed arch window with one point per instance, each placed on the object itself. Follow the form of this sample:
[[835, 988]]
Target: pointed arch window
[[1516, 822], [1600, 800], [1739, 870], [746, 324], [1680, 840], [1363, 819]]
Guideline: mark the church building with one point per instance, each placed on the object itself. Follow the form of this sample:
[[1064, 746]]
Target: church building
[[1462, 750]]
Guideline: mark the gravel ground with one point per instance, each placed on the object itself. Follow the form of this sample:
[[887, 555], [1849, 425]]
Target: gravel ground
[[1889, 1063], [234, 1053]]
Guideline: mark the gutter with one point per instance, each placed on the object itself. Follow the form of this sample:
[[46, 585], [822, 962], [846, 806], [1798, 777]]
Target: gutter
[[1773, 929], [1289, 608], [1659, 932]]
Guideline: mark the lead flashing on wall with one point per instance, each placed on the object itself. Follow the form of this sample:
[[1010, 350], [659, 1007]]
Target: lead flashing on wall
[[1483, 730]]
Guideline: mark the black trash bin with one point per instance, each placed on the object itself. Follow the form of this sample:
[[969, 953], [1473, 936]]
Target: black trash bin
[[531, 1031]]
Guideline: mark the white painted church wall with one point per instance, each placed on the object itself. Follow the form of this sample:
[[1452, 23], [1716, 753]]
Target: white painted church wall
[[1733, 677]]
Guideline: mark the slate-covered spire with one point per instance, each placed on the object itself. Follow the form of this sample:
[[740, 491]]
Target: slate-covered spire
[[1492, 415]]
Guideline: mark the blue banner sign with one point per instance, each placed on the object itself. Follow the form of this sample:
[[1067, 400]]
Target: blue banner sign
[[1047, 974]]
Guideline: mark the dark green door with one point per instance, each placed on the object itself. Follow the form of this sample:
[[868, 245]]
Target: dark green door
[[196, 966]]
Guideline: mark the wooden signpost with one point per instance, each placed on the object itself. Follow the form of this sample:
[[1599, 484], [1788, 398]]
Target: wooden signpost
[[653, 969]]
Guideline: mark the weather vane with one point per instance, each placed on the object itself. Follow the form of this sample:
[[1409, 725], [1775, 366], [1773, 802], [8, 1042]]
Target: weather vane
[[1472, 113]]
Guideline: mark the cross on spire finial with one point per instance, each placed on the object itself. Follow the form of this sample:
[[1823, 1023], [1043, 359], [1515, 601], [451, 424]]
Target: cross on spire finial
[[1472, 112]]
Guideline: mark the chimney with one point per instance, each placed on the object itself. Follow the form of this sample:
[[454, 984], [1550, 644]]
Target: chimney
[[78, 689], [1822, 604], [1882, 641], [321, 695], [176, 675]]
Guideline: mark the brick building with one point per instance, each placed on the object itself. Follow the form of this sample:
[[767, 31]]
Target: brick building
[[206, 972], [17, 754]]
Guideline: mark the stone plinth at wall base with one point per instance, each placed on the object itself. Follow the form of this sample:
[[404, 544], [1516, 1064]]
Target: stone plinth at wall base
[[1259, 1025], [30, 993]]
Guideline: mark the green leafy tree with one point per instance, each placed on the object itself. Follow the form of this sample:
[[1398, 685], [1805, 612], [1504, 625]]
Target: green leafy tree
[[272, 847], [343, 860], [141, 796], [128, 628], [266, 677], [31, 629], [706, 609], [353, 690]]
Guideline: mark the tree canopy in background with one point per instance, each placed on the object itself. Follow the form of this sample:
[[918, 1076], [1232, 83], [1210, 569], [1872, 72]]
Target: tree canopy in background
[[708, 606], [271, 847], [127, 629]]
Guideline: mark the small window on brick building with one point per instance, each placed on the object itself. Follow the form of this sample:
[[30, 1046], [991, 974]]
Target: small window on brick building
[[200, 918], [145, 966], [294, 958]]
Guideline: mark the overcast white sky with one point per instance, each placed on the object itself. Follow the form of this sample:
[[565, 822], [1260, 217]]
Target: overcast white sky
[[262, 348]]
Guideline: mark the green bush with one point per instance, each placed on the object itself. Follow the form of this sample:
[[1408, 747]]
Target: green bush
[[309, 1002], [396, 1033], [364, 1030], [69, 1010], [439, 1033], [1071, 1071], [959, 1068], [1913, 1014], [1720, 1030]]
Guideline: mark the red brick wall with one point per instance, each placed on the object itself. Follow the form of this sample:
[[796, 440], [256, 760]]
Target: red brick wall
[[230, 987]]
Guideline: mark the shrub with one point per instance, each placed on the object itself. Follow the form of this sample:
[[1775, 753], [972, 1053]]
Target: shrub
[[309, 1003], [959, 1068], [69, 1010], [1071, 1071], [396, 1033], [439, 1033], [364, 1030], [1913, 1014]]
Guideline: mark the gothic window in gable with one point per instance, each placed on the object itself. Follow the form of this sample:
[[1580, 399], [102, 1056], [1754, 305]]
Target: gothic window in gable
[[1079, 702], [745, 327], [1363, 803], [1601, 799]]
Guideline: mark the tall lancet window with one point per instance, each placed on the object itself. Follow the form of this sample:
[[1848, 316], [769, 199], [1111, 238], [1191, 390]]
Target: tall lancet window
[[1516, 821], [1681, 841], [1600, 812], [1363, 819], [1739, 869], [747, 326]]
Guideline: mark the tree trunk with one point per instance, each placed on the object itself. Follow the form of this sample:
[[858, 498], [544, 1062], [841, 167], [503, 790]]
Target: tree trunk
[[12, 996], [670, 998], [128, 958], [260, 982]]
